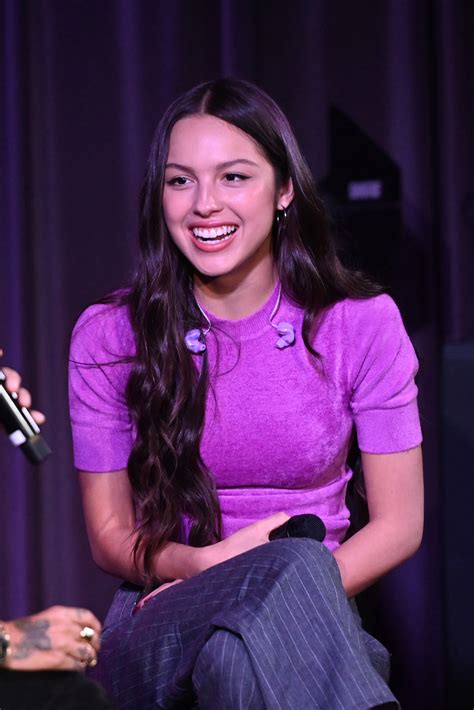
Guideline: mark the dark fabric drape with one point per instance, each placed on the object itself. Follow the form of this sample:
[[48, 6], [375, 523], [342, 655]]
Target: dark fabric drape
[[83, 84], [455, 152]]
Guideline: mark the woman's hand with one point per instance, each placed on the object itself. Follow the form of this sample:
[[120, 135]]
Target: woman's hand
[[241, 541], [111, 526], [13, 384], [51, 640]]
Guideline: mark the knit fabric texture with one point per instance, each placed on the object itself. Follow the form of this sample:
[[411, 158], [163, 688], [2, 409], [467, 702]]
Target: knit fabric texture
[[278, 423]]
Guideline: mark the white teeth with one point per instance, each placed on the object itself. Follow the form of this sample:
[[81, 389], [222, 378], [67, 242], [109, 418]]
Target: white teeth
[[214, 241], [211, 234]]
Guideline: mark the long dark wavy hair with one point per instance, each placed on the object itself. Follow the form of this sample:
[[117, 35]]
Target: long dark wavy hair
[[166, 391]]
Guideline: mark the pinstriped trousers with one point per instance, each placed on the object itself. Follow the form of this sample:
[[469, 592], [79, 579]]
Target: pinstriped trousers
[[271, 628]]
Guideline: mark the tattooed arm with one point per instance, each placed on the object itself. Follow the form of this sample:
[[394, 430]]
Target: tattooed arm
[[51, 640]]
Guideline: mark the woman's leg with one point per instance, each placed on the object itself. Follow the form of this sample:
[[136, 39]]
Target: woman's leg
[[223, 676], [284, 600]]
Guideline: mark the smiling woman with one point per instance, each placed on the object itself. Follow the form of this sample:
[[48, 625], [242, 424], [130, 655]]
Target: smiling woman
[[222, 221], [218, 396]]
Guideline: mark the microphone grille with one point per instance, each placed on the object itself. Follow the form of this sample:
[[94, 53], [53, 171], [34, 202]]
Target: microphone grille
[[306, 525]]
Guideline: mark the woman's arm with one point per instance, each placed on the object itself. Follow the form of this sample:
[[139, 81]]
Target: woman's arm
[[394, 486], [110, 521]]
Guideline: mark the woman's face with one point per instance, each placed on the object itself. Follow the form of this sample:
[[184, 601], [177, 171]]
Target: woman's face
[[220, 197]]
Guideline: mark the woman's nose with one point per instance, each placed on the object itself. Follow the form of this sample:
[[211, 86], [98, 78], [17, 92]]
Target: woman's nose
[[207, 201]]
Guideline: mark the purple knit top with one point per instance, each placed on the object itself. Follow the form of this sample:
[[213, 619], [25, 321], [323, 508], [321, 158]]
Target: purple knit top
[[278, 422]]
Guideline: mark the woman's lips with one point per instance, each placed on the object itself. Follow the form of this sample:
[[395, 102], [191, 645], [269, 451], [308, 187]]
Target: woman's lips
[[211, 246]]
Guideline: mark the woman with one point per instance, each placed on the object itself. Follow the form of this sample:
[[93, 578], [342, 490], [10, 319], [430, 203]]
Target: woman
[[219, 396]]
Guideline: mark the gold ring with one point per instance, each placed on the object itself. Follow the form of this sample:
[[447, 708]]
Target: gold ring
[[91, 663], [87, 633]]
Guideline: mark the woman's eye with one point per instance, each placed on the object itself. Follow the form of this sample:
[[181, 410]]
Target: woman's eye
[[235, 177], [178, 181]]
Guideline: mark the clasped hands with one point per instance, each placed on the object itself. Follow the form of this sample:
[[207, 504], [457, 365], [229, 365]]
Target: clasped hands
[[243, 540]]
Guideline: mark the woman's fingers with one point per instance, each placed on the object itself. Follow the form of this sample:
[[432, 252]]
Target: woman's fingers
[[156, 591], [274, 521], [242, 540], [167, 585]]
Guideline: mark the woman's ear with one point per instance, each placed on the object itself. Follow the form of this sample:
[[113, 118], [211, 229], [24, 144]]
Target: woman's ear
[[285, 195]]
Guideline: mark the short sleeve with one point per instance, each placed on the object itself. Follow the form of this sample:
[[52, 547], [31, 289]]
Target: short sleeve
[[383, 368], [99, 367]]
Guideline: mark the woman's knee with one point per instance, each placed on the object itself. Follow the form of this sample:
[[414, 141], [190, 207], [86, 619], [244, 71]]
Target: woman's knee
[[296, 563], [300, 553]]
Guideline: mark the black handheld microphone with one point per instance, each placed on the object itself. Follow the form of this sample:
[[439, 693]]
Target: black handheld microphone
[[20, 426], [306, 525]]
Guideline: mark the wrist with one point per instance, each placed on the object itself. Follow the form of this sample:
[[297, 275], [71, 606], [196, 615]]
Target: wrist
[[202, 558], [180, 561], [212, 555]]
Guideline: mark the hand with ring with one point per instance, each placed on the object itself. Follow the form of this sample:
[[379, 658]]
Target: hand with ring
[[59, 638], [89, 657]]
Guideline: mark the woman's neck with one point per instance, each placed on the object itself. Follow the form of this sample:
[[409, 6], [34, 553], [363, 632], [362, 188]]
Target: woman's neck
[[231, 298]]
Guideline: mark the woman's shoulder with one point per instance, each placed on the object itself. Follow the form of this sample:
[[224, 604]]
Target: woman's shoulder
[[359, 330], [104, 329], [103, 315], [373, 307], [357, 315]]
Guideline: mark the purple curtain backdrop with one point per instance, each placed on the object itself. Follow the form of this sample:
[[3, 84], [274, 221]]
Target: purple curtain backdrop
[[83, 85]]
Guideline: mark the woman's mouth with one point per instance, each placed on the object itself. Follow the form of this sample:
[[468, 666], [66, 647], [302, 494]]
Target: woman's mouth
[[210, 239]]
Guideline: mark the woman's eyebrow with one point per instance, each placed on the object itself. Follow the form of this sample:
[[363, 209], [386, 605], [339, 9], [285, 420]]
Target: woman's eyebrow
[[220, 166]]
